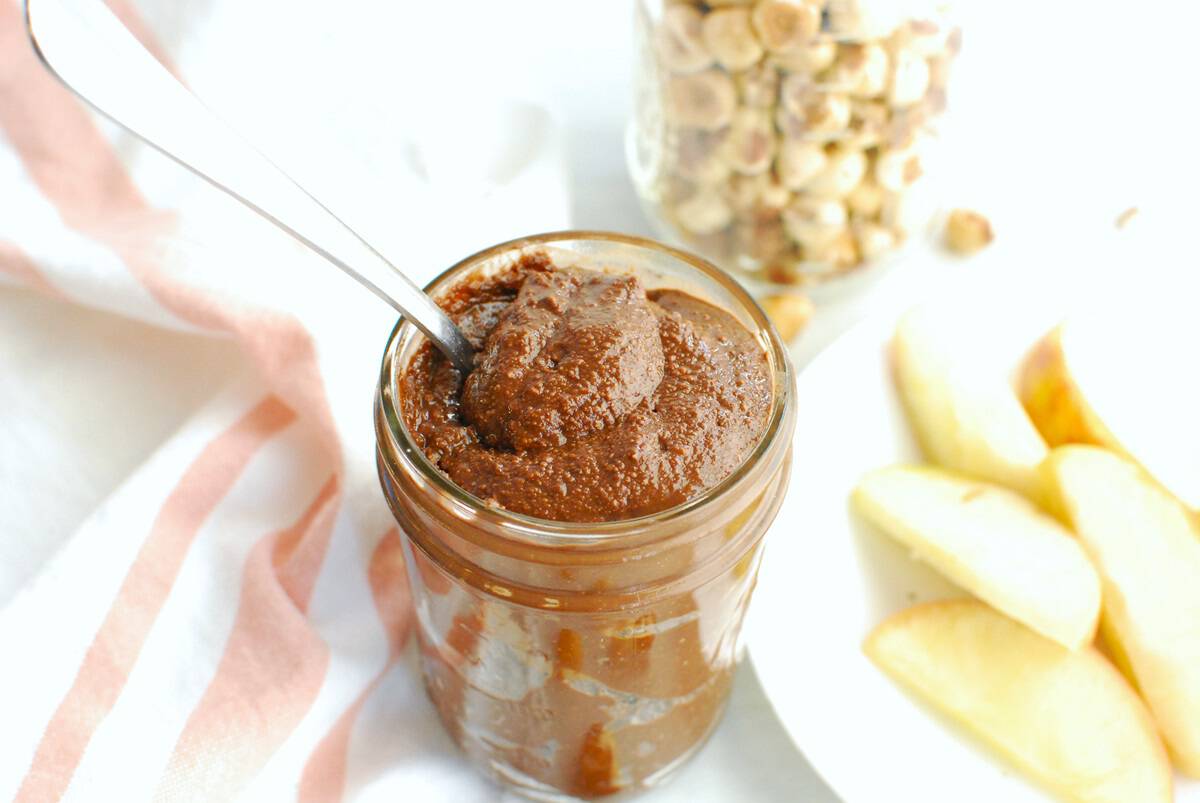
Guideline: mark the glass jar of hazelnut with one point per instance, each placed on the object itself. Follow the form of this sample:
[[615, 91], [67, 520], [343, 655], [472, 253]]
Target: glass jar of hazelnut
[[787, 139]]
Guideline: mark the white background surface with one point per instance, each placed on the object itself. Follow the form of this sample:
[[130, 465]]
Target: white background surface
[[1063, 115]]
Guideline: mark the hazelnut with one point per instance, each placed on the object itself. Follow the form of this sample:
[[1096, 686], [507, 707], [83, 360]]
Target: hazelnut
[[838, 252], [903, 128], [814, 221], [758, 86], [869, 123], [706, 212], [799, 163], [748, 194], [742, 193], [717, 246], [786, 25], [910, 78], [807, 59], [812, 109], [729, 37], [861, 69], [673, 188], [790, 312], [865, 201], [923, 37], [796, 91], [775, 195], [761, 238], [967, 231], [844, 169], [873, 240], [704, 100], [897, 169], [863, 19], [750, 146], [699, 157], [678, 40]]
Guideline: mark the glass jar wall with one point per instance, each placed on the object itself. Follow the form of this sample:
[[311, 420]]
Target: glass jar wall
[[581, 660], [787, 139]]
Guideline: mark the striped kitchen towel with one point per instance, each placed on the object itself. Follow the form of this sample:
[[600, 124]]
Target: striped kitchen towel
[[230, 621]]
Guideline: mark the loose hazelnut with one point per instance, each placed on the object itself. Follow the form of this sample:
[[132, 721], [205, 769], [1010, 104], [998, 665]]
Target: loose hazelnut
[[706, 212], [750, 146], [790, 312], [678, 40], [799, 163], [729, 37], [786, 25], [704, 100], [967, 231], [814, 221], [844, 169], [910, 78]]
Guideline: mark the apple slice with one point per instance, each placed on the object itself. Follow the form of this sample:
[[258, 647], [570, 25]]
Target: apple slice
[[1068, 719], [1127, 387], [1147, 552], [1053, 400], [992, 542], [965, 415]]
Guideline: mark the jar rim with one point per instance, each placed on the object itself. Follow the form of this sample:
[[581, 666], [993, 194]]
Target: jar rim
[[542, 531]]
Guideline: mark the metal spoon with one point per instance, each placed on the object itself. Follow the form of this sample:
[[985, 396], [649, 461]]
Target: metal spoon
[[90, 51]]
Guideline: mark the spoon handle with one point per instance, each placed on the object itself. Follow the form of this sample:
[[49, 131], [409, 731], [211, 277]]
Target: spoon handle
[[90, 51]]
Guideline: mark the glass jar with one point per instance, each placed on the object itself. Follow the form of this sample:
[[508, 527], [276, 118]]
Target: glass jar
[[579, 660], [786, 139]]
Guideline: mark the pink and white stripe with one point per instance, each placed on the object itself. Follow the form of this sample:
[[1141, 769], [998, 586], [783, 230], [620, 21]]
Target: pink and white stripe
[[219, 622]]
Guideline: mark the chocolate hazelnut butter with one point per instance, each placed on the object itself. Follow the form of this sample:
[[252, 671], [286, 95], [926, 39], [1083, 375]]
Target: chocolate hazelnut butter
[[624, 442], [591, 398]]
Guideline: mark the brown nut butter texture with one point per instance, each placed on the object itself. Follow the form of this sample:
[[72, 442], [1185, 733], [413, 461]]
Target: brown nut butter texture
[[591, 398]]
